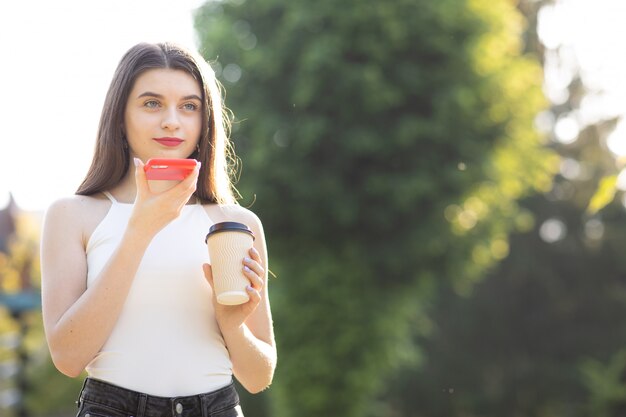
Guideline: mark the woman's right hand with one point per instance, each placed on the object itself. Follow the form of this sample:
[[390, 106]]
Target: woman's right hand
[[154, 210]]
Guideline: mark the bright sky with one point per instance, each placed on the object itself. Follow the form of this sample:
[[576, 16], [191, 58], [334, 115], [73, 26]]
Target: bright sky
[[594, 32], [58, 59], [59, 56]]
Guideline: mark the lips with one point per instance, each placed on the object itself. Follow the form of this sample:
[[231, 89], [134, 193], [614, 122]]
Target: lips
[[171, 142]]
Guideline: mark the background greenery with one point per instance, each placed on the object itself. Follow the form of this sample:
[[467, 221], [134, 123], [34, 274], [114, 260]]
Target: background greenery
[[390, 149], [385, 148]]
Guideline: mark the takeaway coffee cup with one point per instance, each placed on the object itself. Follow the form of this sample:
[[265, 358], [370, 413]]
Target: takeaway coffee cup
[[228, 244]]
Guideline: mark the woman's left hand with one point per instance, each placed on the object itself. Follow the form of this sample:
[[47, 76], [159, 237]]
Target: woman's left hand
[[232, 317]]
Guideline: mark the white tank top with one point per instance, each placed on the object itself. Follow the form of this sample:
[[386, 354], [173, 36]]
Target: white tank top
[[166, 341]]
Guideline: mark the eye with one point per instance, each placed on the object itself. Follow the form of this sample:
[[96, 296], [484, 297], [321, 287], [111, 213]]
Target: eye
[[190, 106], [152, 104]]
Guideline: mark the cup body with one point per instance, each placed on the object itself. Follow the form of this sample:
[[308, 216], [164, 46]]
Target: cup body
[[228, 243]]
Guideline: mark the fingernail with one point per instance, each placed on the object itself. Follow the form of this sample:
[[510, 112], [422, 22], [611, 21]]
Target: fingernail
[[247, 269], [137, 161], [246, 259], [249, 288]]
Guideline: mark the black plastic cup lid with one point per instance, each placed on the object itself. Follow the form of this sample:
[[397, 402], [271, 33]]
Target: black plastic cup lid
[[228, 227]]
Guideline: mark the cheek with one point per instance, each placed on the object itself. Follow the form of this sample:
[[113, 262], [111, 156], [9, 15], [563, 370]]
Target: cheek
[[138, 130], [139, 122], [196, 128], [132, 129]]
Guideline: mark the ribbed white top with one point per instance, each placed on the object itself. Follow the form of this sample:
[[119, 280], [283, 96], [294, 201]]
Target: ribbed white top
[[166, 341]]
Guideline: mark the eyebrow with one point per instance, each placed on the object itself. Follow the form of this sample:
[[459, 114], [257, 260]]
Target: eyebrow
[[151, 94]]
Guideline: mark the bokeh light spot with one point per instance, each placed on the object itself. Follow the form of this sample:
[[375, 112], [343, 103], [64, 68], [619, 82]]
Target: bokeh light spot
[[552, 230]]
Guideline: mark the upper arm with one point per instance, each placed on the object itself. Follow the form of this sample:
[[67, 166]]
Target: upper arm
[[63, 260]]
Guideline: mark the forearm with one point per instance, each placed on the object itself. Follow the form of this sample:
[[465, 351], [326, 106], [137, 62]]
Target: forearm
[[81, 331], [254, 360]]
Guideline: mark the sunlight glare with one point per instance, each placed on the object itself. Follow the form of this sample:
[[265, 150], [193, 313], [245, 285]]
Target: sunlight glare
[[616, 142], [566, 129], [549, 26], [4, 199]]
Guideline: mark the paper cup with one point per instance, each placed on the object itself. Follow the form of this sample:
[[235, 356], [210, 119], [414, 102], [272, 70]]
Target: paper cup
[[228, 244]]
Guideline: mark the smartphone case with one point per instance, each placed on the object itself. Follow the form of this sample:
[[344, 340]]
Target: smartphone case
[[168, 168]]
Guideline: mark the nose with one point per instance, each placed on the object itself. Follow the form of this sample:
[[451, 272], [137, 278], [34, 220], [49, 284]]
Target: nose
[[170, 119]]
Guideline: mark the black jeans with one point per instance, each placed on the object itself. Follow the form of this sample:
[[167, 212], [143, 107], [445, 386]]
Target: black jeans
[[101, 399]]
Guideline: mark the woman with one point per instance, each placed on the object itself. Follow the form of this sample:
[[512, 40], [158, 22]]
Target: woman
[[126, 285]]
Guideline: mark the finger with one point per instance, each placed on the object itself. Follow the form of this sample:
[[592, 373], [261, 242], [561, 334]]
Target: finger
[[208, 273], [254, 254], [255, 266], [255, 280], [140, 177], [188, 185], [255, 296]]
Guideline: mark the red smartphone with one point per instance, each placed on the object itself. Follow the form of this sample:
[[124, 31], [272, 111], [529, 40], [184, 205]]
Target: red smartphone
[[168, 168]]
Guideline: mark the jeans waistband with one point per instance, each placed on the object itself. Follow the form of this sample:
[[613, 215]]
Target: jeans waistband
[[139, 404]]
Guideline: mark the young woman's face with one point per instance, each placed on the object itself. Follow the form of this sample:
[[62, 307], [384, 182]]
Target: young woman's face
[[163, 115]]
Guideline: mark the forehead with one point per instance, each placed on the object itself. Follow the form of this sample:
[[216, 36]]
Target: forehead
[[165, 81]]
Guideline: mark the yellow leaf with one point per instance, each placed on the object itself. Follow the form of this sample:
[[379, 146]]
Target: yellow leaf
[[603, 195]]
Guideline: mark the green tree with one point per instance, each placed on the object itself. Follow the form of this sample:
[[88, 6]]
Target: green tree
[[542, 334], [385, 145]]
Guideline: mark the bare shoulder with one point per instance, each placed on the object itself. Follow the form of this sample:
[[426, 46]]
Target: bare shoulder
[[77, 214], [234, 212], [76, 205]]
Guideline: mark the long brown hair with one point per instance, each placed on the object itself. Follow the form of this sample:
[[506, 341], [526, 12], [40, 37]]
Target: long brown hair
[[111, 159]]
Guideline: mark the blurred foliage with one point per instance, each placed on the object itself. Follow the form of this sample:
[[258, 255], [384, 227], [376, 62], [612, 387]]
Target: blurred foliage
[[543, 334], [605, 382], [604, 194], [51, 393], [19, 267], [47, 391], [385, 147]]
